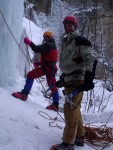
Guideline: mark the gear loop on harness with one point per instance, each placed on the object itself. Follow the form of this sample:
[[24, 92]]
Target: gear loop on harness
[[69, 98]]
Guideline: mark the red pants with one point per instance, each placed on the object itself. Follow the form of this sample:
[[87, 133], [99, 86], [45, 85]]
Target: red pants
[[49, 70]]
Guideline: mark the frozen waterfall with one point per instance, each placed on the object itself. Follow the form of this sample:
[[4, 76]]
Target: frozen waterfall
[[11, 57]]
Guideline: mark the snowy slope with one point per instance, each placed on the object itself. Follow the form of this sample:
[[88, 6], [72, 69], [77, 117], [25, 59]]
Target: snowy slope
[[23, 128]]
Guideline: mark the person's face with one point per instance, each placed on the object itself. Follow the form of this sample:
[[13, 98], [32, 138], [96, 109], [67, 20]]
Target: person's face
[[69, 28], [46, 38]]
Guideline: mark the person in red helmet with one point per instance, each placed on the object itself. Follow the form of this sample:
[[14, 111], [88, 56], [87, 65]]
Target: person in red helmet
[[72, 20], [77, 61], [49, 58]]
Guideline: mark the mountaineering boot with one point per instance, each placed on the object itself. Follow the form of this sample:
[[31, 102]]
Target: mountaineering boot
[[20, 96], [53, 107], [79, 141], [63, 146], [23, 95]]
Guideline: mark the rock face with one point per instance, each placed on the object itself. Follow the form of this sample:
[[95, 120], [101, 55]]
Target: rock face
[[95, 22], [41, 5]]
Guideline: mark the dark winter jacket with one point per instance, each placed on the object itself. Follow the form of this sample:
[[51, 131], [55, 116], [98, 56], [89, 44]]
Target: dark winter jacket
[[48, 50]]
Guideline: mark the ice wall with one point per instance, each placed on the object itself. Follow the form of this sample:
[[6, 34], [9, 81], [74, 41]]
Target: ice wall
[[12, 11]]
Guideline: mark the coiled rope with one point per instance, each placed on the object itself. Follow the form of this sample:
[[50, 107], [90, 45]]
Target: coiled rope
[[98, 136], [46, 116]]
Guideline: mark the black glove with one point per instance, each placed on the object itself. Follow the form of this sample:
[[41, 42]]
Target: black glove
[[88, 81], [86, 86], [89, 76], [60, 82]]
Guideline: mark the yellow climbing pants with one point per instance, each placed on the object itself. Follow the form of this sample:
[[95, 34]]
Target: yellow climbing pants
[[72, 115]]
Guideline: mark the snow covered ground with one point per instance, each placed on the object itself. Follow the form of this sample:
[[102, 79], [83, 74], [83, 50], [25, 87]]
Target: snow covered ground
[[23, 126]]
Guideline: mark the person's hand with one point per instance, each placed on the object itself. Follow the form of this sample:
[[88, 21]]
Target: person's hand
[[88, 82], [58, 84], [86, 86], [27, 41], [89, 76]]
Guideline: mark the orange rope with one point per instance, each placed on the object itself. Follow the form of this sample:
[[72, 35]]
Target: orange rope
[[94, 136], [98, 136]]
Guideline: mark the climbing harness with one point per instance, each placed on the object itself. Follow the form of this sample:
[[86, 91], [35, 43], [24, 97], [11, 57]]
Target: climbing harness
[[70, 96]]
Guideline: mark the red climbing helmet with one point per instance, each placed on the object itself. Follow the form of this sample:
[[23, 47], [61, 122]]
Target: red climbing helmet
[[71, 19]]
